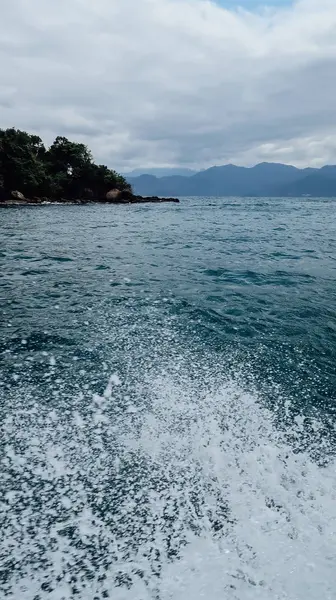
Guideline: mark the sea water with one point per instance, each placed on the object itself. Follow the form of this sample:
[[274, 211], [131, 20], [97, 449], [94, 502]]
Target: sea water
[[167, 401]]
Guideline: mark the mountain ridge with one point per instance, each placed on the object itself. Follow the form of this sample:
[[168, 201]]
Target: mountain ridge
[[161, 172], [263, 179]]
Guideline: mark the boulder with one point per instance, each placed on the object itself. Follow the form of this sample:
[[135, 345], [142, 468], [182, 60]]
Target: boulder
[[17, 195], [113, 195]]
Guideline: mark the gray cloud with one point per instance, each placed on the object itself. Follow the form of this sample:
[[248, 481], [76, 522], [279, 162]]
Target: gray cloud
[[169, 82]]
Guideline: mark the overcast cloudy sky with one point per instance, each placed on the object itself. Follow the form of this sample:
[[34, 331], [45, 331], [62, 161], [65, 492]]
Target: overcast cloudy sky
[[174, 82]]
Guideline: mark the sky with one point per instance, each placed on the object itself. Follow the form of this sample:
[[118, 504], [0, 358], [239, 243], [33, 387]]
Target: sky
[[253, 4], [159, 83]]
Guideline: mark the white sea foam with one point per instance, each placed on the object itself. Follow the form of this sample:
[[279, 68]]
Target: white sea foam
[[186, 495]]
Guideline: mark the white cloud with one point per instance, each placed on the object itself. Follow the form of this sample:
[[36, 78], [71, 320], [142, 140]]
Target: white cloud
[[173, 82]]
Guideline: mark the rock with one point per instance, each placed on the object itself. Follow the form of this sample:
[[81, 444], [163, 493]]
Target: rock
[[17, 195], [127, 196], [113, 195], [120, 196]]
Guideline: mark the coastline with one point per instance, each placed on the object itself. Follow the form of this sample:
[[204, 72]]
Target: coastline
[[46, 202]]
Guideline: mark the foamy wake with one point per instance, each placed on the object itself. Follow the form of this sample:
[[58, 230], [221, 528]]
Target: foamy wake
[[183, 495]]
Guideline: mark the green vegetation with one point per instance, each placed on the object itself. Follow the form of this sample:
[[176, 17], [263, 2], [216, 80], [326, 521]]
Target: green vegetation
[[66, 170]]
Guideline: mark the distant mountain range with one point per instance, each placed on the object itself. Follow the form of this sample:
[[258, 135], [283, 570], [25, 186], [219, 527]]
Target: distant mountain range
[[265, 179], [161, 172]]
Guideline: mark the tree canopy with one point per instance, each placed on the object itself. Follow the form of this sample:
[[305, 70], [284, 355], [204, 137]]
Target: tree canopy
[[65, 170]]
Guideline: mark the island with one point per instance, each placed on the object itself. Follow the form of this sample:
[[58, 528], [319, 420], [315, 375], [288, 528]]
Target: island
[[64, 173]]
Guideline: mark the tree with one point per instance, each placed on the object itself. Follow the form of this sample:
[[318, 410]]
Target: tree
[[22, 163], [73, 170], [101, 179], [66, 163], [66, 170], [65, 156]]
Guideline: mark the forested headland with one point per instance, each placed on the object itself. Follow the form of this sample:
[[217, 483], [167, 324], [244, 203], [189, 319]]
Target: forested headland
[[65, 172]]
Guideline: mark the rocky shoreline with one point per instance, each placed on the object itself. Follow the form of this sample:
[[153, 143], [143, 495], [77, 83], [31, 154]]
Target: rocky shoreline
[[120, 198]]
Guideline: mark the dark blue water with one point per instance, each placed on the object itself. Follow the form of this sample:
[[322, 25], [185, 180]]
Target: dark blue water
[[167, 389]]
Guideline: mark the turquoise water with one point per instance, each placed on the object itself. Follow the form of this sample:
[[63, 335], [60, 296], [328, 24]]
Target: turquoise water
[[167, 392]]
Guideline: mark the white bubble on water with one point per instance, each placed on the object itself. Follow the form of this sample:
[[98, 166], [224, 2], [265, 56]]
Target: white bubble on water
[[197, 495]]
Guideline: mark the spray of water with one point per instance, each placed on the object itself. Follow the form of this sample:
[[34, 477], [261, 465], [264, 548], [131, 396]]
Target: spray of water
[[173, 492]]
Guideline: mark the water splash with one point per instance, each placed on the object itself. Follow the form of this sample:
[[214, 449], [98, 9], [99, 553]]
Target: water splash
[[167, 493]]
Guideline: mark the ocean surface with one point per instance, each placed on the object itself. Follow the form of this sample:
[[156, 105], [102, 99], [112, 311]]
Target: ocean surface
[[167, 401]]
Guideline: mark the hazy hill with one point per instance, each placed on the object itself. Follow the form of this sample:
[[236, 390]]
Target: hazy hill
[[161, 172], [264, 179]]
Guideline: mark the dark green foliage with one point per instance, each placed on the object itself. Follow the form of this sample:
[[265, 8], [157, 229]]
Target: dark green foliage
[[65, 170], [22, 161]]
